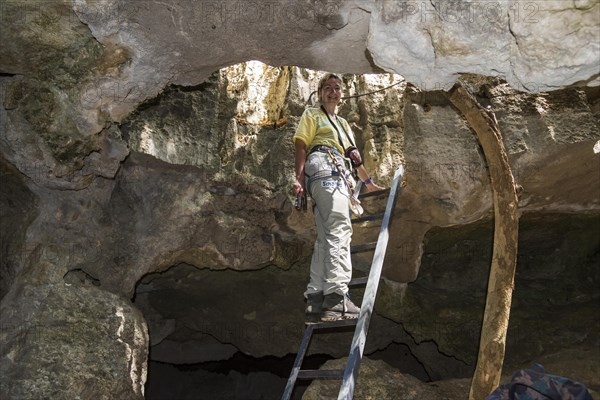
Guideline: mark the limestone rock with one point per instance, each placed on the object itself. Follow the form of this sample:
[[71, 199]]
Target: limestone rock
[[377, 380], [71, 70], [210, 314], [447, 179], [257, 312], [206, 189], [48, 60], [536, 129], [135, 157], [431, 43], [64, 341], [456, 260], [18, 208]]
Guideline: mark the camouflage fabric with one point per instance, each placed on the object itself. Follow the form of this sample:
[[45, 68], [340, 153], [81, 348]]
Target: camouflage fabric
[[535, 384]]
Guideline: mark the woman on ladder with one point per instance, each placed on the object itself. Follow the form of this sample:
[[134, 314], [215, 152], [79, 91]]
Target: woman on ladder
[[322, 140]]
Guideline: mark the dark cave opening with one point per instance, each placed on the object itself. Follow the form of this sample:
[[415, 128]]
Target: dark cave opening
[[225, 334], [205, 344], [243, 377]]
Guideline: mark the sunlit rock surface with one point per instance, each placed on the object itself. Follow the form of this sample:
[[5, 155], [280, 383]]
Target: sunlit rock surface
[[431, 42], [72, 69]]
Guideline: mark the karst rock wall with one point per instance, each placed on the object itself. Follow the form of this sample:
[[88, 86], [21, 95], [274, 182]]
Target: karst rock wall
[[203, 195], [71, 69], [125, 154]]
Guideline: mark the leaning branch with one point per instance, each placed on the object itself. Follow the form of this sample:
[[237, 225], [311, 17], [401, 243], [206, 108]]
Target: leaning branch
[[504, 258]]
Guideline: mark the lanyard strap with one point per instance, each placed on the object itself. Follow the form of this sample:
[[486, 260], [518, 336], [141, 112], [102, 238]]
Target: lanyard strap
[[337, 130]]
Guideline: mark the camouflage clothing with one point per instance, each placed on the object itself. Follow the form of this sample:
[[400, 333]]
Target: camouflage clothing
[[535, 384]]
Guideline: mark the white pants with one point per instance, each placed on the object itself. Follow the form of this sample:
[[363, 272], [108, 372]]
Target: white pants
[[331, 265]]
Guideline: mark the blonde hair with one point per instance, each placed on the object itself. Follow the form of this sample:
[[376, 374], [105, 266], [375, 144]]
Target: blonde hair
[[322, 83]]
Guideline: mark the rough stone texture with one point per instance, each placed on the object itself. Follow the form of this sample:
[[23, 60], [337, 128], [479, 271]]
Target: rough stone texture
[[73, 69], [258, 312], [456, 260], [537, 128], [432, 42], [63, 341], [379, 381], [85, 83], [49, 59], [212, 192], [205, 190], [447, 177], [115, 231], [238, 116], [18, 207]]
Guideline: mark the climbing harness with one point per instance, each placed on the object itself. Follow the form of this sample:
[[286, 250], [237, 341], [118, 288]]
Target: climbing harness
[[344, 173], [319, 175], [348, 180]]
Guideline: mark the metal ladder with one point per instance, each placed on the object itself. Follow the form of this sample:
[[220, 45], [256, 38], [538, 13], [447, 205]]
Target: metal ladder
[[349, 375]]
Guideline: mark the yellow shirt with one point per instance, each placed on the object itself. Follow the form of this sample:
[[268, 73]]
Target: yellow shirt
[[315, 129]]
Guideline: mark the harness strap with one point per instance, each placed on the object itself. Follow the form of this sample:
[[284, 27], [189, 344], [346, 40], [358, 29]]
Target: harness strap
[[324, 149]]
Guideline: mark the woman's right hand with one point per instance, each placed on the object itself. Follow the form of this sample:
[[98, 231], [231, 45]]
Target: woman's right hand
[[298, 188]]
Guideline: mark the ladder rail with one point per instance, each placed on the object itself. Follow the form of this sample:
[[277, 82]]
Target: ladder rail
[[298, 373], [368, 303], [289, 387]]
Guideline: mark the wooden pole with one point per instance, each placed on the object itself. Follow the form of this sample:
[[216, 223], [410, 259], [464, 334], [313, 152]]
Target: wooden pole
[[504, 257]]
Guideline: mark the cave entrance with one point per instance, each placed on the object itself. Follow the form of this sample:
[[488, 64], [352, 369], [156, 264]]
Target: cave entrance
[[203, 326], [227, 325], [228, 335]]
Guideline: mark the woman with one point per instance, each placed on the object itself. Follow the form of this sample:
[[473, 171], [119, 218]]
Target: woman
[[321, 136]]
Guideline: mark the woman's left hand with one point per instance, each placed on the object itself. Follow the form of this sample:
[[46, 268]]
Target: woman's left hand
[[373, 187]]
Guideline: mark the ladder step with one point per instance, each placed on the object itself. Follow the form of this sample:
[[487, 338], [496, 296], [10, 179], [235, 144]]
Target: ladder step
[[373, 217], [322, 374], [357, 282], [334, 324], [373, 194], [363, 247]]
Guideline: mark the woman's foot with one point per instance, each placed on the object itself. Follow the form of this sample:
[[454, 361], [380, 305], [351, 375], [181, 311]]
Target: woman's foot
[[337, 306], [314, 307]]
